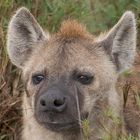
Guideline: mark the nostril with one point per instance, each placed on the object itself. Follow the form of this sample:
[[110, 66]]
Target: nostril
[[59, 102], [42, 102]]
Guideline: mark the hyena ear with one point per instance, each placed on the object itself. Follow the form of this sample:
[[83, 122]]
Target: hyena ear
[[24, 33], [120, 42]]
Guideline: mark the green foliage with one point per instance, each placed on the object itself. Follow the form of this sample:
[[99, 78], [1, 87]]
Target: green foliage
[[110, 114], [2, 137], [129, 137], [137, 97], [86, 129], [98, 15], [127, 73]]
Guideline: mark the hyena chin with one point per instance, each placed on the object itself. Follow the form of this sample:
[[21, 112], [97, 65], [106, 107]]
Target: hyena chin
[[70, 77]]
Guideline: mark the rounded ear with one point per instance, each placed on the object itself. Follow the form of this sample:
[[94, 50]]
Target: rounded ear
[[120, 42], [24, 33]]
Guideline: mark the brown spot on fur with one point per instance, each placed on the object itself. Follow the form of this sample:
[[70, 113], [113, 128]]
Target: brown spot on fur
[[73, 29]]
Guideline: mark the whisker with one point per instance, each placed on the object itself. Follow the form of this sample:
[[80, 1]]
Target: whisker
[[78, 109]]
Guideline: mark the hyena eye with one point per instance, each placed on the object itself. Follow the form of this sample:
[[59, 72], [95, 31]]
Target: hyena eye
[[36, 79], [84, 79]]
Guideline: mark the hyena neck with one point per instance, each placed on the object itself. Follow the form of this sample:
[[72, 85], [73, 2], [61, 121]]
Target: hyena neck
[[32, 130]]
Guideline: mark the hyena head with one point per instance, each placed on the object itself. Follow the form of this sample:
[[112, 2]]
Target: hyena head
[[67, 72]]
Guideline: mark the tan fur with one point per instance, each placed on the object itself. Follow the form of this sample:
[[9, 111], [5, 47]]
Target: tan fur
[[72, 47], [71, 28]]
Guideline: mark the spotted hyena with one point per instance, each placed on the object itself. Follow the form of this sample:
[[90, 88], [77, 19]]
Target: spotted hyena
[[70, 77]]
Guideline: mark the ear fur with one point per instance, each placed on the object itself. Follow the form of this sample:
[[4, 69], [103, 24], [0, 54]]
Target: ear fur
[[23, 34], [120, 42]]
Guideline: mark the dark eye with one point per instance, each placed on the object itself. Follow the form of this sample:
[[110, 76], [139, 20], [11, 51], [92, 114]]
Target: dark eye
[[84, 78], [36, 79]]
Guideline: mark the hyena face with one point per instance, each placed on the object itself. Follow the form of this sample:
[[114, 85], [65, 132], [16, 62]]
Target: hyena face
[[68, 72], [58, 74]]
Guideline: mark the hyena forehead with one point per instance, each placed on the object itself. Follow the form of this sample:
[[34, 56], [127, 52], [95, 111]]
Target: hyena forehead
[[60, 55]]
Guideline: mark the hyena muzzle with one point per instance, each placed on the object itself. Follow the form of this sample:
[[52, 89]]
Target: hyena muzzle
[[70, 77]]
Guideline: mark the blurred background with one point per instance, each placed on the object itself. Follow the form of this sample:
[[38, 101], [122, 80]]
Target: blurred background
[[97, 15]]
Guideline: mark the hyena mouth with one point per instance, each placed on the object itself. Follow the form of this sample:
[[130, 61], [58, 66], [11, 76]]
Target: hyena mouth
[[56, 126], [66, 126]]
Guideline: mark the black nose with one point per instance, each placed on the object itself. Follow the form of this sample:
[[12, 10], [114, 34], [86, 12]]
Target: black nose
[[52, 100]]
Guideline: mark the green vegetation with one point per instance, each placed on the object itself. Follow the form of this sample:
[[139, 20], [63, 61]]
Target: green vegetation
[[137, 97], [127, 73], [97, 15], [110, 114], [86, 129], [130, 137]]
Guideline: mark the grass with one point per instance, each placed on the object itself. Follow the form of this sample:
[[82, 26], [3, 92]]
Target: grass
[[86, 129], [129, 137], [110, 114], [98, 15], [137, 97]]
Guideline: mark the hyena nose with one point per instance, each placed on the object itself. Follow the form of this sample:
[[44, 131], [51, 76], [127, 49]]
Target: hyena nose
[[52, 101]]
